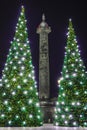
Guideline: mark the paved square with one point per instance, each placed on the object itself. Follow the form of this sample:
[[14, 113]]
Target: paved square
[[44, 127]]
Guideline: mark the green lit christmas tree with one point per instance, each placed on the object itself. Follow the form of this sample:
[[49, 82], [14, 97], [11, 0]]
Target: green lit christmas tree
[[19, 104], [71, 107]]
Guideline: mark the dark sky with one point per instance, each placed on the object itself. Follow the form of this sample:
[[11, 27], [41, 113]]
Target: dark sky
[[57, 14]]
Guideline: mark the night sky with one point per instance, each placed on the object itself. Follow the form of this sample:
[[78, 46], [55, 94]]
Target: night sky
[[57, 14]]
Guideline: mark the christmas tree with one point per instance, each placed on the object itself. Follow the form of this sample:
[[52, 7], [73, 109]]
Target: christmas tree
[[19, 104], [71, 107]]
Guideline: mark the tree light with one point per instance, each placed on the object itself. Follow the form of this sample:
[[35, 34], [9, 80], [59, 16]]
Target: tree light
[[70, 83], [16, 57], [25, 92], [66, 122], [9, 108], [67, 76], [63, 94], [72, 65], [57, 103], [70, 116], [78, 103], [30, 116], [56, 116], [21, 74], [14, 79], [59, 109], [19, 62], [14, 67], [77, 93], [74, 74], [74, 123], [5, 102], [4, 94], [13, 93], [6, 68], [38, 116], [23, 58], [62, 103], [11, 62], [31, 88], [8, 85], [80, 115], [15, 48], [60, 79], [25, 80], [73, 103], [85, 123], [9, 122], [18, 86], [37, 104], [23, 108], [85, 92], [0, 84], [17, 116], [29, 75], [66, 109], [18, 44], [25, 54], [21, 34], [27, 41], [56, 124], [2, 115], [22, 67], [63, 116], [30, 101], [24, 122]]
